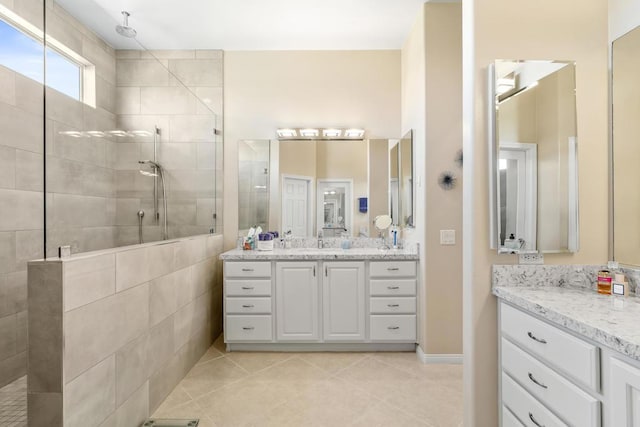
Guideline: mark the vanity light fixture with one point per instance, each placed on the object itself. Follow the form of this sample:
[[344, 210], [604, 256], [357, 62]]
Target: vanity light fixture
[[287, 133], [309, 133], [72, 133], [141, 133], [331, 133], [95, 133], [118, 133], [354, 133]]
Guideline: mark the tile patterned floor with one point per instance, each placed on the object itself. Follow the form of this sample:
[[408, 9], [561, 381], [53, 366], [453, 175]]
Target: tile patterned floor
[[316, 389], [13, 404]]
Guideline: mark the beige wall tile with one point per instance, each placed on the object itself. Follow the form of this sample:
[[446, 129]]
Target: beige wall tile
[[13, 293], [178, 155], [131, 368], [29, 96], [192, 128], [29, 175], [91, 398], [161, 347], [106, 96], [7, 167], [131, 268], [45, 409], [137, 72], [203, 276], [21, 129], [63, 109], [29, 244], [88, 280], [162, 298], [209, 54], [189, 252], [184, 325], [20, 210], [103, 60], [167, 100], [128, 100], [13, 368], [197, 72], [8, 336], [7, 252], [168, 54], [7, 86], [96, 330], [21, 332], [185, 291], [211, 100], [45, 327], [133, 412]]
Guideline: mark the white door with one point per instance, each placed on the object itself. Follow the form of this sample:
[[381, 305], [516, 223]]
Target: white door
[[295, 206], [297, 301], [343, 301]]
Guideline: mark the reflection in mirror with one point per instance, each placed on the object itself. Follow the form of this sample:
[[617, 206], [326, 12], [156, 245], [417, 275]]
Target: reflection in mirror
[[535, 172], [253, 184], [626, 150], [406, 180], [394, 184], [334, 213]]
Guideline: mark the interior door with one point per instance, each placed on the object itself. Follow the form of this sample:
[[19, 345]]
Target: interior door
[[295, 206]]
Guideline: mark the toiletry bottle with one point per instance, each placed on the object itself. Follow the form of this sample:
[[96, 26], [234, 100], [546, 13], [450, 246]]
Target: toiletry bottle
[[619, 285], [604, 282]]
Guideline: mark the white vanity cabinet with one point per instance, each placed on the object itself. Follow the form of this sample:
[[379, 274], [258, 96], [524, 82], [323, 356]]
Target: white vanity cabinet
[[547, 376], [297, 301], [343, 298], [625, 393], [247, 301]]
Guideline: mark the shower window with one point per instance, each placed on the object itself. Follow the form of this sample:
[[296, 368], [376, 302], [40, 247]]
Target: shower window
[[23, 52]]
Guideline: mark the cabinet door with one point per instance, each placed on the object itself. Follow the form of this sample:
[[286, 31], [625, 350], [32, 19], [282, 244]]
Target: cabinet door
[[297, 301], [343, 301], [625, 394]]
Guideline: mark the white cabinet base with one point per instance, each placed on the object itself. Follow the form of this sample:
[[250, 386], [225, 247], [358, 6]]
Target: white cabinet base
[[337, 347]]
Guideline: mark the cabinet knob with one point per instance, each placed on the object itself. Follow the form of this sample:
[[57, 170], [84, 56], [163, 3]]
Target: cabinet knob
[[533, 337], [247, 306], [247, 288], [247, 269], [393, 328], [393, 269], [393, 287], [248, 328], [393, 305]]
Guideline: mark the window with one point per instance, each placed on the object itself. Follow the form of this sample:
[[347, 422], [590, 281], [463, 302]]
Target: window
[[23, 53]]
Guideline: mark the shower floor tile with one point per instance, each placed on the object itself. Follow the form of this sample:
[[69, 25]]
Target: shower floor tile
[[13, 404]]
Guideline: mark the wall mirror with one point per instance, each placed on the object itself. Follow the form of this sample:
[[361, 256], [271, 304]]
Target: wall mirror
[[626, 150], [331, 187], [533, 149]]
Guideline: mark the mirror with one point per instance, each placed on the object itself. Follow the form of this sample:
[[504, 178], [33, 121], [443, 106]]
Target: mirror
[[534, 156], [327, 186], [626, 150]]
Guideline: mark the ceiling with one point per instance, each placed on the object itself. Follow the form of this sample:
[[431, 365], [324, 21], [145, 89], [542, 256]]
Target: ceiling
[[252, 24]]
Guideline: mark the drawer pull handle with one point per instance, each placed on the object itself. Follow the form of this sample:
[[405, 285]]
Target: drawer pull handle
[[533, 337], [248, 328], [393, 287], [393, 269], [533, 420], [247, 288], [393, 328], [247, 269], [247, 306], [536, 382], [393, 305]]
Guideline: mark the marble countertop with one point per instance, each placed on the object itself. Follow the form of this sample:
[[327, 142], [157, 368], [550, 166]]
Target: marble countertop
[[607, 320], [302, 254]]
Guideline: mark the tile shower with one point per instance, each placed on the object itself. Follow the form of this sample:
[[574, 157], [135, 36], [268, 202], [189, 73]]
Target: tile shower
[[67, 179]]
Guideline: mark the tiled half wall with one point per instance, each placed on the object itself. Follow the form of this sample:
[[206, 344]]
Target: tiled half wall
[[112, 332]]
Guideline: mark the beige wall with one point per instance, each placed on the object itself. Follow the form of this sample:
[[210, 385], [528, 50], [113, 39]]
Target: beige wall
[[539, 36], [271, 89], [431, 106]]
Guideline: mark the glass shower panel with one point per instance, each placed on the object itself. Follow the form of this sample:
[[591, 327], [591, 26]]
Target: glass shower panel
[[21, 181]]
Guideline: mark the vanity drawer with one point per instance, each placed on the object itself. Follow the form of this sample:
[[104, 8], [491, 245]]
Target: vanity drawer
[[248, 328], [241, 288], [554, 391], [393, 287], [525, 407], [247, 269], [403, 305], [577, 358], [392, 268], [393, 328], [248, 305], [508, 419]]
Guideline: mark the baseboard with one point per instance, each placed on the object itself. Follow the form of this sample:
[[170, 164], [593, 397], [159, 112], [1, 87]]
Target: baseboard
[[433, 359]]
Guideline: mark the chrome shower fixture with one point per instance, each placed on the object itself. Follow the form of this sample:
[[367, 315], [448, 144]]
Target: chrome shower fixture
[[156, 168], [125, 30]]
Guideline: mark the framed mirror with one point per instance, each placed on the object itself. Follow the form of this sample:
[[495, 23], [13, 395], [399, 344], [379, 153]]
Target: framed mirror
[[625, 96], [534, 161]]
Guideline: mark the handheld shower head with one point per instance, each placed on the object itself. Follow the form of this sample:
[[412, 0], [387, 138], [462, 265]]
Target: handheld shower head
[[125, 30]]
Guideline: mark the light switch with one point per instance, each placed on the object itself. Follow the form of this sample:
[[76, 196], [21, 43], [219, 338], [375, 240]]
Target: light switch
[[447, 237]]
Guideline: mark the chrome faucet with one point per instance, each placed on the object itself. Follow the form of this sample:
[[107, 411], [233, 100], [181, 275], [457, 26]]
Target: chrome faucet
[[320, 241]]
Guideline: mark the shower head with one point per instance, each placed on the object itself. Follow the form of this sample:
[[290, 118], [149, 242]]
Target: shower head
[[125, 30], [156, 168]]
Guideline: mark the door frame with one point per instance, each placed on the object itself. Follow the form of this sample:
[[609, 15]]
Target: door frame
[[348, 201], [310, 198]]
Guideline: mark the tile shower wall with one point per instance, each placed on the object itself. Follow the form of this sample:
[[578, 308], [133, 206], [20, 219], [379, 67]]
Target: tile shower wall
[[79, 174], [133, 322], [180, 92]]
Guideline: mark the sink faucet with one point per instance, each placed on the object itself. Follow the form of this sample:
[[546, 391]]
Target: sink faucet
[[320, 241]]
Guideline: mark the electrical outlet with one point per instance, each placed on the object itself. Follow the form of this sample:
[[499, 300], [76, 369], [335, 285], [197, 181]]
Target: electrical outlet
[[447, 237], [531, 258]]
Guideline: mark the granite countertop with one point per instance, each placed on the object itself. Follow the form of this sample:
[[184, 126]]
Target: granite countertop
[[303, 254], [607, 320]]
